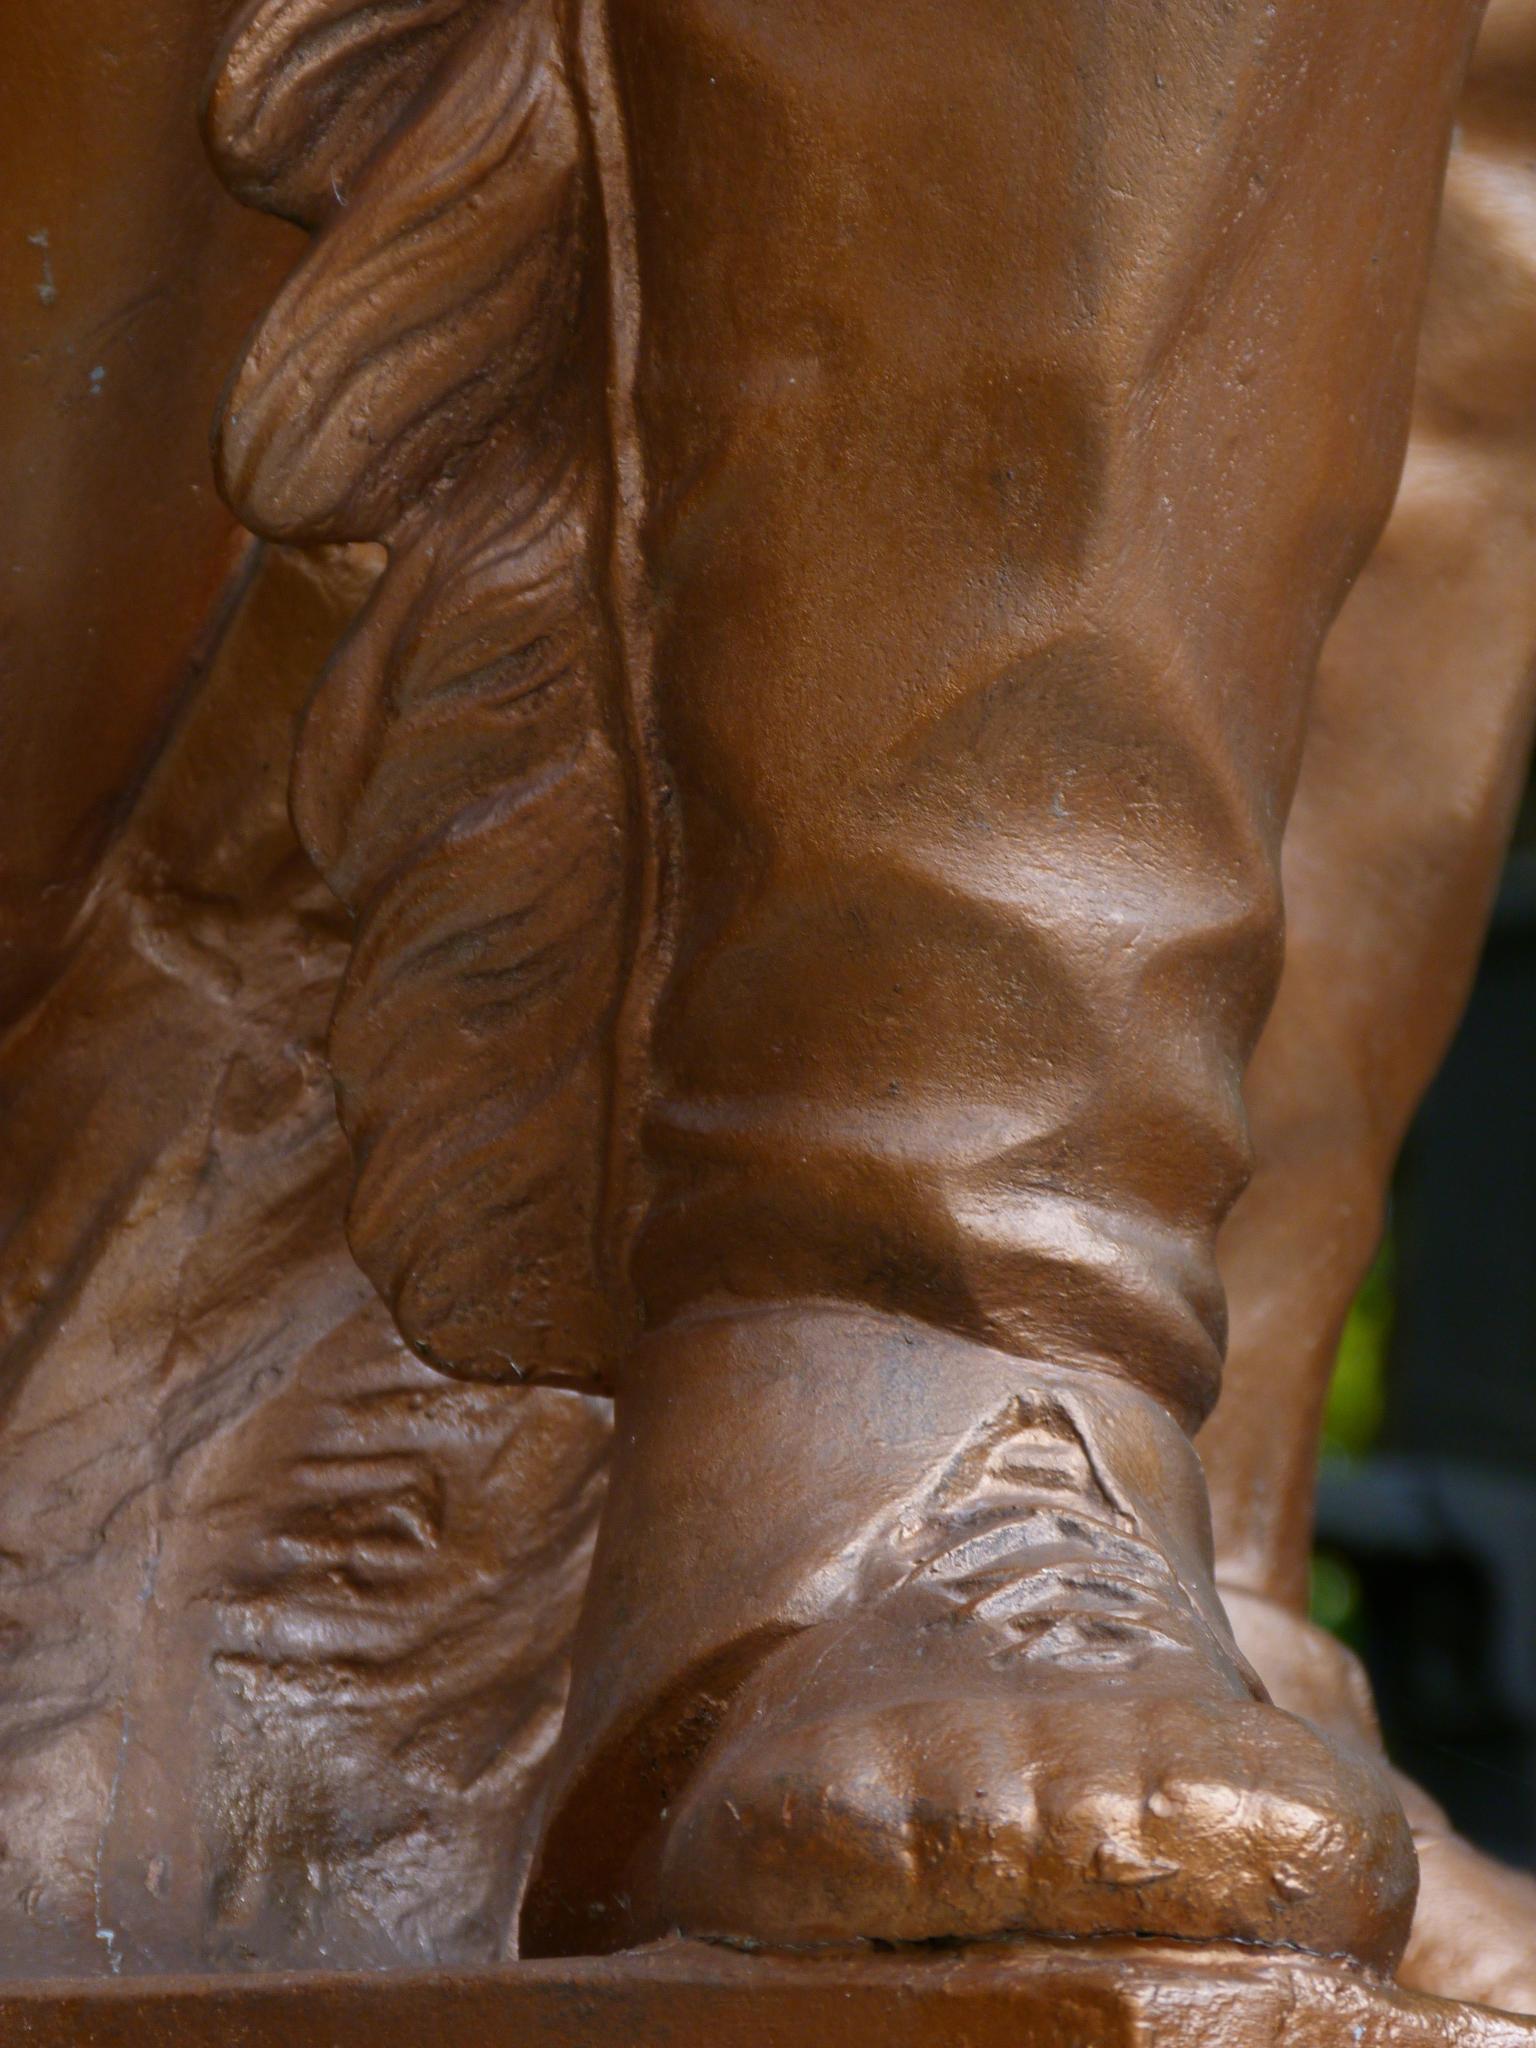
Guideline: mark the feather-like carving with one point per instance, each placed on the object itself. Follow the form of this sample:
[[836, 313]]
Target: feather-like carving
[[445, 373]]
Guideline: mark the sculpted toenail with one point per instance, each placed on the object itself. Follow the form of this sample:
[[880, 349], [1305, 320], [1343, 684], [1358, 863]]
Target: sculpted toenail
[[1214, 1804], [1121, 1863], [1162, 1805]]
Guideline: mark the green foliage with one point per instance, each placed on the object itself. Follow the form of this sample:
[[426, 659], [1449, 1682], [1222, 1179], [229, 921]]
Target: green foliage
[[1335, 1597], [1357, 1396], [1351, 1424]]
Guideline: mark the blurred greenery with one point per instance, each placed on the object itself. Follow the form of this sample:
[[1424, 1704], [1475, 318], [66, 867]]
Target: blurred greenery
[[1351, 1424], [1358, 1395], [1336, 1597]]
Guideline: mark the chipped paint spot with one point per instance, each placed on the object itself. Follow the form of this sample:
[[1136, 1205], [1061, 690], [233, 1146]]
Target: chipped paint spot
[[47, 291]]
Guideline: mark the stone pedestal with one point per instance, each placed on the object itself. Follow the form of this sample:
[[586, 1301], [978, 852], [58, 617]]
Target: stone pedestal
[[1114, 1995]]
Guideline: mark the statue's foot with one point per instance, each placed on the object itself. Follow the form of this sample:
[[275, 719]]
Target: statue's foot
[[1072, 1762], [1474, 1930], [1009, 1702]]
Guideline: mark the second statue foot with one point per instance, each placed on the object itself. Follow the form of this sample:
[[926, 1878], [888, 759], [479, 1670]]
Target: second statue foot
[[1474, 1930], [1005, 1701]]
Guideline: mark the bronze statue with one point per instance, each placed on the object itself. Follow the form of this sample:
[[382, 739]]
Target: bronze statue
[[804, 782]]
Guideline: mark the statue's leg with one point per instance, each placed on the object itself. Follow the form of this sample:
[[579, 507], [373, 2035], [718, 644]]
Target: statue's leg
[[1413, 765], [1020, 387]]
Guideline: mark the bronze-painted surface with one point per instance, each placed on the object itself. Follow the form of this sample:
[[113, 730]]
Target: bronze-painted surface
[[284, 1611], [126, 282], [679, 1996], [1416, 752], [809, 783], [1473, 1927], [1417, 748], [977, 915]]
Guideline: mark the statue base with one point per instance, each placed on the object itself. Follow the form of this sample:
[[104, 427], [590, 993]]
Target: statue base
[[1016, 1995]]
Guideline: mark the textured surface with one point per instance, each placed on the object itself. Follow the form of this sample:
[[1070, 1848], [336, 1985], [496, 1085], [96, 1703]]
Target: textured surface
[[1415, 756], [978, 900], [692, 1998], [283, 1612], [999, 499], [1417, 749], [473, 777], [127, 281]]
